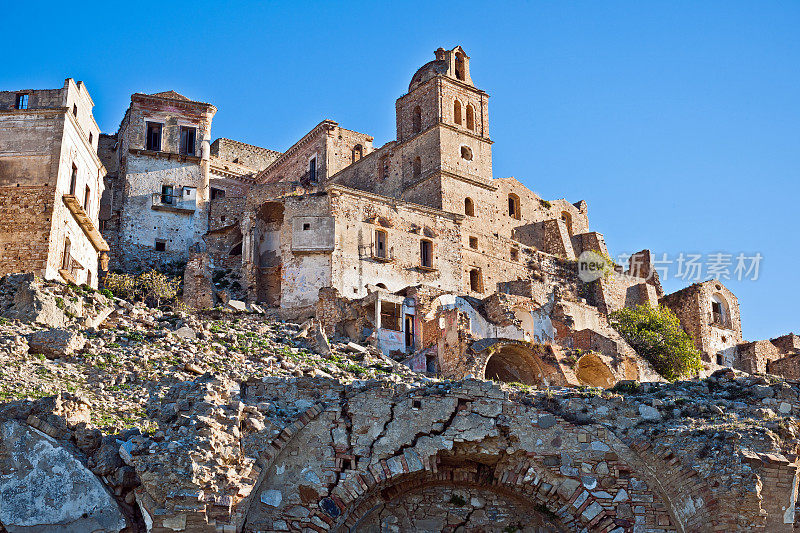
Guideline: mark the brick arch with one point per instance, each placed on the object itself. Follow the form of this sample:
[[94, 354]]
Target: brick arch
[[518, 361], [522, 480], [530, 466]]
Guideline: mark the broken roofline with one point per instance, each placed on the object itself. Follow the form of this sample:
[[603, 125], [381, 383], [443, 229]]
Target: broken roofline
[[324, 125], [394, 202], [142, 97]]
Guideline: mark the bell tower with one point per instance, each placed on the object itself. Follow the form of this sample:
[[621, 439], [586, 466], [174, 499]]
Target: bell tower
[[443, 132]]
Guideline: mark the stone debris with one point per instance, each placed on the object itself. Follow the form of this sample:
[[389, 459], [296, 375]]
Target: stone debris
[[55, 343], [45, 488], [248, 421]]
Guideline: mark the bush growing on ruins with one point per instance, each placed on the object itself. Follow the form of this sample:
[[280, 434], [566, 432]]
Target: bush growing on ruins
[[152, 287], [656, 334]]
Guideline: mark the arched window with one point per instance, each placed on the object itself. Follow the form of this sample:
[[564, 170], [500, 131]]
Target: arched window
[[460, 66], [720, 313], [567, 218], [358, 152], [513, 206], [469, 207], [417, 120], [475, 280], [417, 168], [466, 153], [470, 117], [457, 112]]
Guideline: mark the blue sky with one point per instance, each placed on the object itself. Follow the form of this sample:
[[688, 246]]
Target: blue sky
[[678, 122]]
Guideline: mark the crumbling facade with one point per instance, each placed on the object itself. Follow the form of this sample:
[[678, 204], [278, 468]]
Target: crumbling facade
[[51, 179], [414, 246]]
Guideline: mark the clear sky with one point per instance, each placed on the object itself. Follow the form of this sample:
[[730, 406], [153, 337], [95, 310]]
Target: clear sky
[[678, 122]]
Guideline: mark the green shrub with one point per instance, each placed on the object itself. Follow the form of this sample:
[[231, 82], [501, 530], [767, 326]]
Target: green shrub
[[107, 293], [656, 334], [152, 287], [122, 285]]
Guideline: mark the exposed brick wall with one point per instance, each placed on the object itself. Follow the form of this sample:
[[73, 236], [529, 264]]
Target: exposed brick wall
[[25, 232], [246, 154]]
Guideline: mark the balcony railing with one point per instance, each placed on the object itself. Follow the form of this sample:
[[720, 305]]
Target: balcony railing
[[172, 202]]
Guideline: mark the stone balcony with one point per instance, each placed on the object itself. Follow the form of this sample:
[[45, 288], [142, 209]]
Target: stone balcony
[[85, 222]]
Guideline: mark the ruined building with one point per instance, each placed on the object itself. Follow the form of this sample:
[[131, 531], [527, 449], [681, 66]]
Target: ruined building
[[51, 179], [414, 246]]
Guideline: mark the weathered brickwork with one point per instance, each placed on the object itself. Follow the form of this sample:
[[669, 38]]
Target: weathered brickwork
[[51, 180], [378, 457], [709, 313]]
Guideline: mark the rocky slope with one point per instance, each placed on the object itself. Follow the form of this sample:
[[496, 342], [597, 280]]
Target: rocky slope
[[142, 404]]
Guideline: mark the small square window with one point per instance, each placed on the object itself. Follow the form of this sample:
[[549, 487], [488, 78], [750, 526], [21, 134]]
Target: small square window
[[306, 226], [167, 194], [161, 245], [514, 254], [22, 101], [473, 243]]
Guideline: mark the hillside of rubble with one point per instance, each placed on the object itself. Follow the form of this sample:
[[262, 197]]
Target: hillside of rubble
[[148, 405]]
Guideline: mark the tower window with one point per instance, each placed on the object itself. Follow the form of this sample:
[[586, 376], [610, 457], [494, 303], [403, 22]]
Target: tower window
[[466, 153], [426, 253], [75, 110], [417, 120], [514, 254], [470, 117], [460, 66], [513, 206], [91, 136], [417, 168], [153, 141], [188, 137], [87, 196], [161, 245], [469, 207], [22, 101], [475, 280], [380, 243], [473, 243], [358, 152], [457, 112]]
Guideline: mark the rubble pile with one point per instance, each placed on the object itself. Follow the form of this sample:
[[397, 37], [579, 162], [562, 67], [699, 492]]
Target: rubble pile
[[231, 420]]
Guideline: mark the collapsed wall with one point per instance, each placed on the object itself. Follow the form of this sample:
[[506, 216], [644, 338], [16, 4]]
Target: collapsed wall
[[315, 454]]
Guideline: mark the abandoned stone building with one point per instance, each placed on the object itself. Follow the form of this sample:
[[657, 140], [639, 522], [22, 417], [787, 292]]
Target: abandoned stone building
[[51, 179], [414, 246]]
